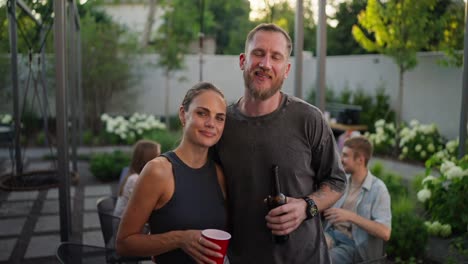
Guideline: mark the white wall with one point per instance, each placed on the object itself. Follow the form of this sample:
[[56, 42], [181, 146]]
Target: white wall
[[432, 93], [132, 16]]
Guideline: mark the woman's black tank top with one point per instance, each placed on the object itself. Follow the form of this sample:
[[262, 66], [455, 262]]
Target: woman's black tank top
[[197, 203]]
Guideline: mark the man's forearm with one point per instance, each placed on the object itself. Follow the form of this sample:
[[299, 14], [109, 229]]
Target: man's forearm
[[372, 227], [325, 197]]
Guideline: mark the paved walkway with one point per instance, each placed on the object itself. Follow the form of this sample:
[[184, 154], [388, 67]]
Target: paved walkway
[[29, 220]]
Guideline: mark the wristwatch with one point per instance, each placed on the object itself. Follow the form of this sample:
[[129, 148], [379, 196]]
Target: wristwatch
[[311, 209]]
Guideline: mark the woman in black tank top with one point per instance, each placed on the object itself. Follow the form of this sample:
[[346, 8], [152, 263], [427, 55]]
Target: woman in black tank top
[[181, 192]]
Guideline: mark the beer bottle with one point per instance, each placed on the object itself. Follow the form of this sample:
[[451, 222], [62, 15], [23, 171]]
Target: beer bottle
[[275, 199]]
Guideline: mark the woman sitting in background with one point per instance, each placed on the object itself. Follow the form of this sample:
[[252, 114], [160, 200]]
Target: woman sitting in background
[[144, 151]]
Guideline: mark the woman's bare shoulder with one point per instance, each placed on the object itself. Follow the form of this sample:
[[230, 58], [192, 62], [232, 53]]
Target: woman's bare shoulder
[[158, 169]]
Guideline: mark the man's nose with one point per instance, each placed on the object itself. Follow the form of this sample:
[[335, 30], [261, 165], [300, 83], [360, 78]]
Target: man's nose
[[265, 63]]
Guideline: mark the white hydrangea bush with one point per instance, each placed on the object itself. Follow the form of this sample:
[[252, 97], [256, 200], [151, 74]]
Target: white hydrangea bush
[[419, 141], [128, 130], [444, 197], [6, 119], [384, 138]]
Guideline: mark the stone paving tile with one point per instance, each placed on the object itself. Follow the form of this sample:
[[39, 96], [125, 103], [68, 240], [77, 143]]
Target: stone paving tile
[[54, 193], [93, 238], [11, 226], [16, 208], [21, 196], [52, 207], [42, 246], [6, 246], [91, 220], [90, 203], [97, 190], [47, 223]]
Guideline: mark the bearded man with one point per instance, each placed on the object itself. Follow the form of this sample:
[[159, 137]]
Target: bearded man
[[266, 128]]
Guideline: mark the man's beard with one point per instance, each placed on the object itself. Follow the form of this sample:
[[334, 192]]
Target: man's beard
[[348, 170], [261, 94]]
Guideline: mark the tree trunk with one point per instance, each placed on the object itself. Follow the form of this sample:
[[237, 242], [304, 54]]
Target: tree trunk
[[400, 97], [166, 108], [149, 23], [399, 110]]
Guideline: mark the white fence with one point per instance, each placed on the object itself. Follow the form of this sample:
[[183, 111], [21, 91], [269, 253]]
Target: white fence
[[432, 93]]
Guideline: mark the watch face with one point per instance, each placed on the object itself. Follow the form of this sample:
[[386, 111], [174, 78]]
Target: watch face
[[313, 210]]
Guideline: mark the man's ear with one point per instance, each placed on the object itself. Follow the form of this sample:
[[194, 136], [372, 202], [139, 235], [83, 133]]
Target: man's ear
[[242, 59], [288, 69], [361, 158]]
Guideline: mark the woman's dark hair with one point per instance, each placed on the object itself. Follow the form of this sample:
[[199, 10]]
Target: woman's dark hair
[[196, 90]]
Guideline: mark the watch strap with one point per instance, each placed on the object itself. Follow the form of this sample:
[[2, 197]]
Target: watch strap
[[311, 209]]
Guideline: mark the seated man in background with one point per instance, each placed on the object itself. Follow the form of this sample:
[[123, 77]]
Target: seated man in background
[[360, 221]]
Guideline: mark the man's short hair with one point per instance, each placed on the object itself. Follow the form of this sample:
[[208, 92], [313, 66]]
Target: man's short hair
[[270, 27], [360, 145]]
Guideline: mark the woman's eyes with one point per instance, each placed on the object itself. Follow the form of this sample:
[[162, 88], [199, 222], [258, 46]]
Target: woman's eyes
[[201, 113], [205, 114]]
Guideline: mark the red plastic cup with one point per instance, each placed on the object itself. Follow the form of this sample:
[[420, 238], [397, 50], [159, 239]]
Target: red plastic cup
[[220, 238]]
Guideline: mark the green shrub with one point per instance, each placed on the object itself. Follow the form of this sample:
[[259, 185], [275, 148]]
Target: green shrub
[[40, 138], [329, 95], [174, 123], [409, 235], [394, 182], [374, 107], [444, 197], [416, 182], [378, 109], [167, 139], [107, 166], [90, 139]]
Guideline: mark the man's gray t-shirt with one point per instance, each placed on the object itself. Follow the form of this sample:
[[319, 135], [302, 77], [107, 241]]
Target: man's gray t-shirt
[[297, 139]]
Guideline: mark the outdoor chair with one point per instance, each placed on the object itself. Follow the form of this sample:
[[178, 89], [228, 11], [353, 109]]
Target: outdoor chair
[[379, 260], [7, 141], [109, 226], [379, 257], [73, 253]]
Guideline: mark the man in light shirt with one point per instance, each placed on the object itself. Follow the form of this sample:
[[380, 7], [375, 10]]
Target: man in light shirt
[[360, 221]]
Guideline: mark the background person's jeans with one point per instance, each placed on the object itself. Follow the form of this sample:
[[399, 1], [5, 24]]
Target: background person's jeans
[[343, 249]]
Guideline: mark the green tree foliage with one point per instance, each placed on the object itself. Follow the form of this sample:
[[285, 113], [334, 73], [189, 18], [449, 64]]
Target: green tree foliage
[[28, 31], [181, 26], [283, 14], [173, 38], [450, 27], [229, 33], [186, 15], [107, 51], [28, 37], [400, 29], [339, 38]]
